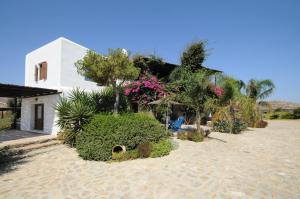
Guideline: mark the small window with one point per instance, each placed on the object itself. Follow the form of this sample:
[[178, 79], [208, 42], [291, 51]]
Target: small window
[[40, 71]]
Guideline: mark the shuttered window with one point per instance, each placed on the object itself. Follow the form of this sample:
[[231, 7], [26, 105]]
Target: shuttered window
[[43, 70]]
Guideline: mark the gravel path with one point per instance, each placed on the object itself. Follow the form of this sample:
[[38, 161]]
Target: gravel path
[[260, 163]]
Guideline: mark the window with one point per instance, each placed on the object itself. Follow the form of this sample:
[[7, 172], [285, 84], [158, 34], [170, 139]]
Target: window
[[40, 72]]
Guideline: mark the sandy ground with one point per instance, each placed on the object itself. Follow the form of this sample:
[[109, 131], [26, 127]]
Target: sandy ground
[[260, 163]]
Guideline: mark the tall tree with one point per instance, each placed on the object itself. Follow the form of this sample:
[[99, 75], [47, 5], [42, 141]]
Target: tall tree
[[112, 69], [194, 90], [194, 56], [193, 84], [259, 90]]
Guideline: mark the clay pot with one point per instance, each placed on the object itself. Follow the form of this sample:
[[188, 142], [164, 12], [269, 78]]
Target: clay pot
[[119, 149]]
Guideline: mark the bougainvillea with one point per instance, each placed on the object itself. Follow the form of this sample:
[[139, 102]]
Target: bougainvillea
[[218, 91], [144, 90]]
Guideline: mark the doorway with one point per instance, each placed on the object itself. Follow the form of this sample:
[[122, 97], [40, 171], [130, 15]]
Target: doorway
[[39, 116]]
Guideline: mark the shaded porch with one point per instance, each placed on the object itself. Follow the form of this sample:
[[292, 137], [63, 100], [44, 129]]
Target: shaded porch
[[19, 92]]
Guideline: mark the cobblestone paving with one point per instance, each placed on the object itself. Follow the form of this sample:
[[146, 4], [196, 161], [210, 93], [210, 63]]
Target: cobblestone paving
[[260, 163]]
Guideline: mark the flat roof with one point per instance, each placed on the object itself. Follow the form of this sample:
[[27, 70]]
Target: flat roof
[[11, 90]]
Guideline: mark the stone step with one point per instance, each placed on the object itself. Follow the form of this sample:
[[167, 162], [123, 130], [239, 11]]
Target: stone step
[[44, 150], [37, 145], [13, 144]]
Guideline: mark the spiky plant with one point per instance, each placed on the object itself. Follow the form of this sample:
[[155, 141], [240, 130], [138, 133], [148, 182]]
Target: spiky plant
[[75, 110]]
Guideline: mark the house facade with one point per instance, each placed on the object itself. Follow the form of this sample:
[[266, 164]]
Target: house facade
[[52, 67]]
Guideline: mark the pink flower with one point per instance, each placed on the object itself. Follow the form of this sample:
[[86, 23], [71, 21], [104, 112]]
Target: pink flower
[[145, 90], [153, 78], [127, 91], [218, 91], [138, 83]]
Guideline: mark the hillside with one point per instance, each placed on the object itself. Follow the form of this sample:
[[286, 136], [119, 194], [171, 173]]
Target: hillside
[[284, 105]]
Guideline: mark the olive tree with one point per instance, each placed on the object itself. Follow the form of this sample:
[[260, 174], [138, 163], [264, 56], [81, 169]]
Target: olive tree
[[112, 69]]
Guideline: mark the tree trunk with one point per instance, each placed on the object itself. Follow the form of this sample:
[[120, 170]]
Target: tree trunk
[[198, 120], [117, 102]]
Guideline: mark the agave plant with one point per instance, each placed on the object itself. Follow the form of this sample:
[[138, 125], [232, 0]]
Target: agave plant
[[75, 110]]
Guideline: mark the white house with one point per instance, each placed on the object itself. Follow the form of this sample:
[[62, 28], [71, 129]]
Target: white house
[[52, 67]]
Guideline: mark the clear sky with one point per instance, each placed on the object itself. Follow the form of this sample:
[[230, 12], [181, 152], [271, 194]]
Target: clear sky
[[246, 38]]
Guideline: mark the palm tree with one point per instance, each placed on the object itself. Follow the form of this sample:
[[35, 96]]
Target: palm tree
[[259, 89]]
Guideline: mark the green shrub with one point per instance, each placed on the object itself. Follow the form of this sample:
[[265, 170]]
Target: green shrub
[[161, 148], [194, 136], [191, 136], [105, 131], [158, 149], [296, 113], [222, 126], [6, 121], [286, 115], [280, 115], [182, 135], [127, 155], [238, 126], [247, 110], [229, 126], [273, 116], [105, 100], [144, 149]]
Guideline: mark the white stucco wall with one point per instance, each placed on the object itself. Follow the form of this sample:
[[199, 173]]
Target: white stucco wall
[[69, 78], [50, 117], [61, 55], [51, 53]]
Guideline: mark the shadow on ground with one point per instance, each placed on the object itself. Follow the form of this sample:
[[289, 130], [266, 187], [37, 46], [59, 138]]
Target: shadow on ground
[[212, 138], [10, 159]]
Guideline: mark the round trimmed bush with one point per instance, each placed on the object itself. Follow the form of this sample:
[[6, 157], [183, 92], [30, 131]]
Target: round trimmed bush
[[105, 131], [161, 148]]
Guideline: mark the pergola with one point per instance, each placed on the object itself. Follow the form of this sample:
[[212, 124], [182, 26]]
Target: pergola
[[16, 91], [168, 103]]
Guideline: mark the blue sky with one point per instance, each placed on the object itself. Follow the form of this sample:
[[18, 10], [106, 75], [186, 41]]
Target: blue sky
[[246, 39]]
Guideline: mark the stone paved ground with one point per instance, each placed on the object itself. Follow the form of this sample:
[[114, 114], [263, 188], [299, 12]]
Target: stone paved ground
[[260, 163], [9, 135]]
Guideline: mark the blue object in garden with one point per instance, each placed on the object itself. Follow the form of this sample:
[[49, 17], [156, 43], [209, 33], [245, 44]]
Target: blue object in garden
[[175, 125]]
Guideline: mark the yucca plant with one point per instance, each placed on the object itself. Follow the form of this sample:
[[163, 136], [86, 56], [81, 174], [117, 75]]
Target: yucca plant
[[75, 110]]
